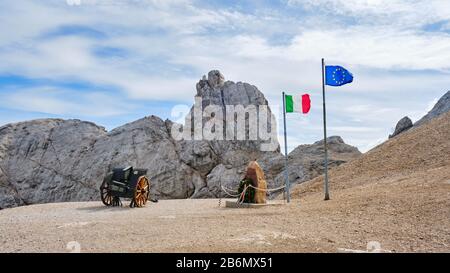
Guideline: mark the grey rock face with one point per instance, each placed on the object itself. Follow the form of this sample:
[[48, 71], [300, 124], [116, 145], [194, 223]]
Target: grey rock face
[[56, 160], [223, 162], [441, 107], [402, 125], [307, 161], [53, 160], [41, 161]]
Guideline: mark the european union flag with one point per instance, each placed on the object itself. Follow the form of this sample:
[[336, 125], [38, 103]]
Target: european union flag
[[337, 75]]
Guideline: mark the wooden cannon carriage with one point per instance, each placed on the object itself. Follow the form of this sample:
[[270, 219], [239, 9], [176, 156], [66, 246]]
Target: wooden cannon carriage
[[126, 183]]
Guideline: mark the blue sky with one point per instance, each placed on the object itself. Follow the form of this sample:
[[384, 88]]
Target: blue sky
[[112, 62]]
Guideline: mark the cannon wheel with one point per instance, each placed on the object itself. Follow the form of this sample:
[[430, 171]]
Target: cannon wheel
[[106, 196], [141, 192]]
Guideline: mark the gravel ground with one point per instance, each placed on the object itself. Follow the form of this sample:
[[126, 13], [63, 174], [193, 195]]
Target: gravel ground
[[396, 196], [409, 216]]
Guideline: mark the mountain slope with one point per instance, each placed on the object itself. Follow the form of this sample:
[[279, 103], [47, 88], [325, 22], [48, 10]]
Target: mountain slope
[[419, 150], [441, 107]]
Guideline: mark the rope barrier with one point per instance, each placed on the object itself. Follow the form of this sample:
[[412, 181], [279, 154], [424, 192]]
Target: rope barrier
[[241, 196], [220, 194], [267, 190], [227, 191]]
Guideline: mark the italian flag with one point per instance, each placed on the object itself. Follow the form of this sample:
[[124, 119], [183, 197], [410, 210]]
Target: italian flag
[[300, 103]]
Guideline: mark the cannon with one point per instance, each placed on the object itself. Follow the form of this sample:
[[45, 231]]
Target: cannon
[[126, 183]]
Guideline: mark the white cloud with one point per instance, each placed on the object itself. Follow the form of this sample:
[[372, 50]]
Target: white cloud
[[63, 102], [403, 13], [170, 44], [379, 48]]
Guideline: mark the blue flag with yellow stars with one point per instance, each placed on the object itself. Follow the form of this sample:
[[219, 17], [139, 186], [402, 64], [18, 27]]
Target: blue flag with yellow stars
[[337, 75]]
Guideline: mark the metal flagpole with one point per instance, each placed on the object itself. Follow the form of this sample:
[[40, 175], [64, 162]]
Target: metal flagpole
[[286, 173], [327, 194]]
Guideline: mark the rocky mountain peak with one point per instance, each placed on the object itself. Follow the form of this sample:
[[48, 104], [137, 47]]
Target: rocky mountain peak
[[331, 140], [215, 79], [215, 90], [336, 147], [55, 160]]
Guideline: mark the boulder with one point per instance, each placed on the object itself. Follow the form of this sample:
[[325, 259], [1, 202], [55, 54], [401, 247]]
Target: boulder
[[402, 125], [41, 161]]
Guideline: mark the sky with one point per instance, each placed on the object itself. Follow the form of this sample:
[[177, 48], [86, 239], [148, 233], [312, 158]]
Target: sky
[[112, 62]]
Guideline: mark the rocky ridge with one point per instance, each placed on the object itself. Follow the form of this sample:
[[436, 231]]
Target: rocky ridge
[[54, 160]]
